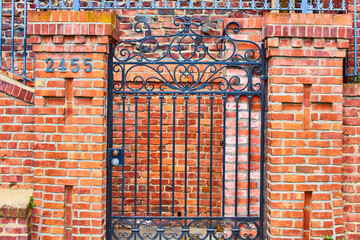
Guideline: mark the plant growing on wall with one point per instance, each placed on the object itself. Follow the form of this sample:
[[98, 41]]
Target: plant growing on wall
[[330, 238]]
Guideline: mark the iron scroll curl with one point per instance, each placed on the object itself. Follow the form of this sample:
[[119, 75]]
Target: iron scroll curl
[[186, 61]]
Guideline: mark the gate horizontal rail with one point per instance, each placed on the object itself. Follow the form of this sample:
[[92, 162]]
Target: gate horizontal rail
[[192, 218], [186, 93]]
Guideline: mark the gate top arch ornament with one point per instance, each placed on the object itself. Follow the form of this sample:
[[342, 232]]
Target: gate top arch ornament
[[187, 61]]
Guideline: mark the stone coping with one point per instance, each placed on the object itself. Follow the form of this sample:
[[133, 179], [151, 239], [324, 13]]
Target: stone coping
[[308, 19], [15, 203], [303, 25], [73, 23]]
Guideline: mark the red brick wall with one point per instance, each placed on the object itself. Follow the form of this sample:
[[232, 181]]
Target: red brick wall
[[14, 228], [16, 157], [304, 130], [351, 160], [16, 135]]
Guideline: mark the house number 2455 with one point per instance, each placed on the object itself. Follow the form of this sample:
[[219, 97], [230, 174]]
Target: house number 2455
[[74, 65]]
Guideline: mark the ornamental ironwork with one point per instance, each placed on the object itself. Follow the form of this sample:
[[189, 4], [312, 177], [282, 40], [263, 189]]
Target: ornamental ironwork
[[176, 64], [304, 6], [185, 124]]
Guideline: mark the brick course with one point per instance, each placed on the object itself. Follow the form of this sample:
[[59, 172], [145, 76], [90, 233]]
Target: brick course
[[14, 228]]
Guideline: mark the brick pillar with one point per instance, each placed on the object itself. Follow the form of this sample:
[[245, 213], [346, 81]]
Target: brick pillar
[[305, 67], [70, 130], [351, 160]]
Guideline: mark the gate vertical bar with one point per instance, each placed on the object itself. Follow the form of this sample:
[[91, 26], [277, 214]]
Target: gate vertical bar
[[211, 155], [76, 5], [355, 40], [123, 98], [161, 136], [236, 154], [186, 139], [109, 143], [136, 150], [173, 172], [262, 138], [198, 158], [24, 50], [211, 151], [161, 160], [148, 157], [249, 154], [262, 161], [12, 34], [1, 34], [224, 97], [236, 158]]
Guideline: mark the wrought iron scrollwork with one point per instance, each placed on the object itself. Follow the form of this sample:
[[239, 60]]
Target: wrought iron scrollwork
[[122, 229], [260, 5], [175, 229], [186, 61], [178, 45]]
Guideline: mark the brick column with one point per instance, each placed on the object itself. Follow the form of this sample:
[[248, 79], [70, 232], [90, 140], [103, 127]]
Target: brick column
[[351, 160], [305, 67], [70, 130]]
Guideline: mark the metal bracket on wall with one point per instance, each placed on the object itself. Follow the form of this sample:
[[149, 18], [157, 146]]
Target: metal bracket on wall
[[115, 156]]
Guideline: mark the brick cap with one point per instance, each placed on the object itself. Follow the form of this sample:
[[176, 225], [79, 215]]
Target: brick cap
[[73, 23], [16, 89], [301, 25], [246, 23], [308, 19], [72, 16], [15, 202]]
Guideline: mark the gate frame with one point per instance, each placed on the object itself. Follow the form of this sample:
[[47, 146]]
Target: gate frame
[[111, 153]]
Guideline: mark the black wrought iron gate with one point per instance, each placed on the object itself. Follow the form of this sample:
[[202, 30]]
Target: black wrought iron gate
[[185, 135]]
